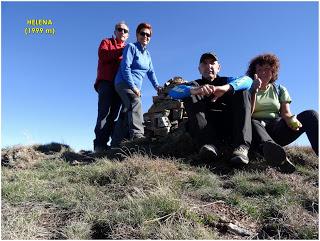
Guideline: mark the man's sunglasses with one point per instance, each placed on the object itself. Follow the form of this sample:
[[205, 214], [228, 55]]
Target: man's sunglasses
[[145, 34], [122, 29]]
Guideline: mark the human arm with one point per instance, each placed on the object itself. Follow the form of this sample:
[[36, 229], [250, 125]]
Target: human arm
[[290, 119], [125, 67], [220, 91], [285, 112], [183, 91], [152, 76], [107, 54], [240, 83], [233, 84], [256, 85]]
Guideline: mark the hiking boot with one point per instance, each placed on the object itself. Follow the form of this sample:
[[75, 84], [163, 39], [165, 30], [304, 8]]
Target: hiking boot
[[240, 155], [287, 166], [208, 152], [275, 155], [101, 149]]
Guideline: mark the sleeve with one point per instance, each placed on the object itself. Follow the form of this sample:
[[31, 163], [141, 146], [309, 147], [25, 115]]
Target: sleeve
[[125, 66], [180, 92], [107, 54], [284, 95], [152, 75], [240, 83]]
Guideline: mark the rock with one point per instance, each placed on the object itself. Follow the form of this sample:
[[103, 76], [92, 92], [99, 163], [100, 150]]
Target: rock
[[177, 114], [238, 230], [162, 131], [165, 104], [165, 115]]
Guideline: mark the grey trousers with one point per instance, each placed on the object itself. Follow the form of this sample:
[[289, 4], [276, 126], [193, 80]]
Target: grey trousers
[[129, 124]]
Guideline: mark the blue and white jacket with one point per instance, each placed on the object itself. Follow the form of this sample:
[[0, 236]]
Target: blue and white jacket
[[135, 65], [238, 83]]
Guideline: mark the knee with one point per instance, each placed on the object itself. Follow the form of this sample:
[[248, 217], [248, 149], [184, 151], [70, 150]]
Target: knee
[[308, 115], [309, 119], [256, 124]]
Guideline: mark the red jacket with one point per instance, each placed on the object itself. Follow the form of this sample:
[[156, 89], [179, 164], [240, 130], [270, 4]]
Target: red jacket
[[110, 55]]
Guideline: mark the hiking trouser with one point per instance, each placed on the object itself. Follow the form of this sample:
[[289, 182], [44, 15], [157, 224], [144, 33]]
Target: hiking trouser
[[277, 130], [131, 115], [228, 122], [109, 104]]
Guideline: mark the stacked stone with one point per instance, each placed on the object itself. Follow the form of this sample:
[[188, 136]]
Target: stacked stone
[[165, 115]]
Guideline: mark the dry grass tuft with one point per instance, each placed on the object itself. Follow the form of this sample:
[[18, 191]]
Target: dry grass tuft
[[20, 157]]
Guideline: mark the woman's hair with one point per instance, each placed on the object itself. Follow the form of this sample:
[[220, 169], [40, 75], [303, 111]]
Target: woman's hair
[[262, 59], [144, 25]]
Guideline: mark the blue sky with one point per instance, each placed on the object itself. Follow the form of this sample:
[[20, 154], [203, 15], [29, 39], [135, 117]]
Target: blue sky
[[47, 80]]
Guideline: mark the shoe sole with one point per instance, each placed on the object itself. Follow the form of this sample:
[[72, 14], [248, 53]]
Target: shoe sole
[[276, 155], [238, 160], [287, 167], [208, 154]]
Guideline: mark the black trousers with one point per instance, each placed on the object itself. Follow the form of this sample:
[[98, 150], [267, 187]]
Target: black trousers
[[277, 130], [226, 121], [109, 104]]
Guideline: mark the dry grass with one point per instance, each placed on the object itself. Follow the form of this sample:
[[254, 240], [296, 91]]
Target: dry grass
[[50, 192]]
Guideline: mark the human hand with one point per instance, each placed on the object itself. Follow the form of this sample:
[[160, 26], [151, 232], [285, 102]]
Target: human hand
[[159, 90], [202, 90], [294, 123], [137, 92], [220, 91], [256, 85]]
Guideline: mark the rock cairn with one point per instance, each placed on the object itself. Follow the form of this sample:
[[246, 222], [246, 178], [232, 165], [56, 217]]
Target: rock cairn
[[166, 114]]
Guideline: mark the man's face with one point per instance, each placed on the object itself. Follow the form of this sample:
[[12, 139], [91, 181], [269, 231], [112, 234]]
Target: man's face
[[209, 68], [122, 32]]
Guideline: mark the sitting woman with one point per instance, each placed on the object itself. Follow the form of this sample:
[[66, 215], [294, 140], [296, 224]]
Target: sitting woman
[[273, 124]]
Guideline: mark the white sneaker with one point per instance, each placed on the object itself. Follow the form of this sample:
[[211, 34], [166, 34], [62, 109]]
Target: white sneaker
[[240, 155], [208, 152]]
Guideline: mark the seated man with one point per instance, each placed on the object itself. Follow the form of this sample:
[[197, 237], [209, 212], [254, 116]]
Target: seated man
[[218, 110]]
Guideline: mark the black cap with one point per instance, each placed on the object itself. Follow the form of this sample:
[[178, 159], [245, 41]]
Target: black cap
[[211, 55]]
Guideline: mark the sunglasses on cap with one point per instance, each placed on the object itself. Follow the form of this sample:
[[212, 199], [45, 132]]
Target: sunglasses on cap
[[145, 34], [123, 29]]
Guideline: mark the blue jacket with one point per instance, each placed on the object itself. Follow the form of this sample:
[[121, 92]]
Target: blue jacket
[[239, 83], [135, 65]]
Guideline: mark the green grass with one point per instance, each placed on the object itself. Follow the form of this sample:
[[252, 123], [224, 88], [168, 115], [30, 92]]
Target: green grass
[[257, 184], [155, 198]]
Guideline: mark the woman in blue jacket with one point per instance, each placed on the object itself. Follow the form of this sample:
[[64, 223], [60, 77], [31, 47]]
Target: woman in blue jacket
[[135, 65]]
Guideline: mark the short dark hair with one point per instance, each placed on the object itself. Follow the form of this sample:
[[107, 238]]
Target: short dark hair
[[144, 25], [262, 59]]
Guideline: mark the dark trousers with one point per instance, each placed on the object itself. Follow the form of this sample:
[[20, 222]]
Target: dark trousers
[[277, 130], [129, 124], [227, 121], [109, 104]]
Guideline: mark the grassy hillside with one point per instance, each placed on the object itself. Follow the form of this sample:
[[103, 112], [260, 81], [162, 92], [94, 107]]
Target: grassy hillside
[[51, 192]]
